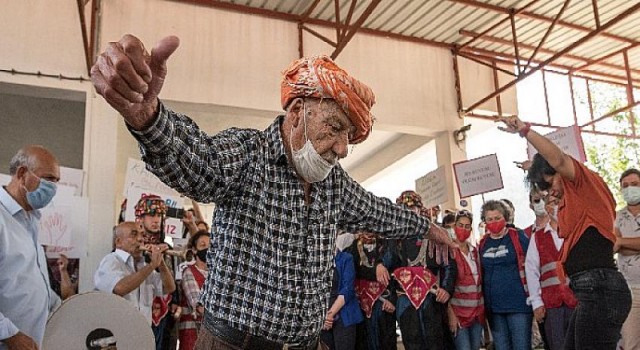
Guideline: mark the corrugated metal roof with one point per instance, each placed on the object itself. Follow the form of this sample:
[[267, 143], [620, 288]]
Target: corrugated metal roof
[[449, 22]]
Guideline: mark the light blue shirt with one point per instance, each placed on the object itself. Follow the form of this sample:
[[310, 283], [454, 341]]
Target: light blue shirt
[[118, 265], [26, 297]]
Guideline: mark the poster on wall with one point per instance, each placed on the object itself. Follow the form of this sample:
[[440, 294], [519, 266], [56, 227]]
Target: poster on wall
[[477, 176], [173, 222], [569, 139], [432, 187], [64, 227], [139, 176], [73, 178]]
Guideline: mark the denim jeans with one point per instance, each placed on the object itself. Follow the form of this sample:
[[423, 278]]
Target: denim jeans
[[511, 331], [604, 301], [469, 338]]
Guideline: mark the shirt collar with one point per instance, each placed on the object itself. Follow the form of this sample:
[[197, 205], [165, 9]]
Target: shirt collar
[[122, 254], [277, 152], [11, 205]]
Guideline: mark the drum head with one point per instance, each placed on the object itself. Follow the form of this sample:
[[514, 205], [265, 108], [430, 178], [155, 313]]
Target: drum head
[[97, 320]]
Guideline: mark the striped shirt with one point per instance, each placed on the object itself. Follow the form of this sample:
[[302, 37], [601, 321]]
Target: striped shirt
[[271, 255]]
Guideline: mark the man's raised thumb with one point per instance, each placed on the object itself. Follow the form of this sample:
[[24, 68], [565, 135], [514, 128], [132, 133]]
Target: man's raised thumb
[[164, 48]]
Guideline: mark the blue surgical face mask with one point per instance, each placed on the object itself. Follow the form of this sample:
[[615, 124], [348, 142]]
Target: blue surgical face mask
[[631, 195], [41, 196], [309, 164]]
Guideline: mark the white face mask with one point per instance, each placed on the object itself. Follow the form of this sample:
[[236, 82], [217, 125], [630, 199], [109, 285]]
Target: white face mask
[[309, 164], [539, 209], [451, 232], [369, 247], [631, 195]]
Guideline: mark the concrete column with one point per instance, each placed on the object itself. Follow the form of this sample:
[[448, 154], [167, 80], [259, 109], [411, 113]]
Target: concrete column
[[448, 152]]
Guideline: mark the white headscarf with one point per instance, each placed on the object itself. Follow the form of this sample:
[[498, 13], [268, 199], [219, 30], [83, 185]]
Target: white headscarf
[[344, 240]]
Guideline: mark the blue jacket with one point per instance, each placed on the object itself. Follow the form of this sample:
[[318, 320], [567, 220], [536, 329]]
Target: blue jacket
[[350, 312]]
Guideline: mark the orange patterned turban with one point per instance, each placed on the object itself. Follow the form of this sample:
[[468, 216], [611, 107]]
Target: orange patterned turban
[[320, 77]]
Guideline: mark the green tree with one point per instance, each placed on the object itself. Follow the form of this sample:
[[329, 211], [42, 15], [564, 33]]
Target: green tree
[[607, 155]]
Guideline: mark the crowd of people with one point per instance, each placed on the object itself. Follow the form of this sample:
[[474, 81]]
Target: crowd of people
[[300, 256]]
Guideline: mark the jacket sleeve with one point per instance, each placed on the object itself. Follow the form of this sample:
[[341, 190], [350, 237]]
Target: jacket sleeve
[[450, 274], [346, 287]]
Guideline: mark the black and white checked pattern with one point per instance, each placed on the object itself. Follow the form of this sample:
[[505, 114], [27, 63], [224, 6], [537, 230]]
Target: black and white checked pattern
[[271, 256]]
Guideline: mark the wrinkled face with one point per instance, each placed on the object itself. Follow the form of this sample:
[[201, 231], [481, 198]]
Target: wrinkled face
[[131, 239], [492, 215], [630, 180], [328, 128]]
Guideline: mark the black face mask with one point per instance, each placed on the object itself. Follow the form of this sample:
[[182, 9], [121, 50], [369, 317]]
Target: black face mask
[[202, 254]]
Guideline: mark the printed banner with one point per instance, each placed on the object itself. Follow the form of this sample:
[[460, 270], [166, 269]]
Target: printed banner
[[432, 188], [569, 139], [479, 175]]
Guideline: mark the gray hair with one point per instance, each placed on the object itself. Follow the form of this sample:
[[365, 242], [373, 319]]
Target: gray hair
[[496, 205], [22, 158]]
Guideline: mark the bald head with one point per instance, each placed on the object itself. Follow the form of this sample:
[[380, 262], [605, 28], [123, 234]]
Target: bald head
[[128, 237], [32, 157]]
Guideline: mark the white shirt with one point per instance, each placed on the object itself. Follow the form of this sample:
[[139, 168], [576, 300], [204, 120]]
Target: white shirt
[[629, 265], [471, 261], [26, 297], [532, 267], [118, 265]]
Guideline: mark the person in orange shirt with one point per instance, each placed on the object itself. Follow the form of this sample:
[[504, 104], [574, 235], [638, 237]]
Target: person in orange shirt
[[586, 211]]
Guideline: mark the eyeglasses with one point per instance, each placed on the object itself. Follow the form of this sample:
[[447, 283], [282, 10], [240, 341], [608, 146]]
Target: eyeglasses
[[537, 200], [464, 214]]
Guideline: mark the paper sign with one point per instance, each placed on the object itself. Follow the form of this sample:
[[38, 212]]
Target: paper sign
[[172, 226], [72, 212], [72, 178], [479, 175], [432, 188], [55, 225], [139, 176], [569, 139]]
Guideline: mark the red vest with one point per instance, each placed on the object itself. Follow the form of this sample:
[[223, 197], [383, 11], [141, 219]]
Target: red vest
[[554, 293], [186, 319], [520, 255], [467, 301]]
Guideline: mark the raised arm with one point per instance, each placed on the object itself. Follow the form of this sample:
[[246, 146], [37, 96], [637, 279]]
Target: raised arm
[[557, 159], [130, 79]]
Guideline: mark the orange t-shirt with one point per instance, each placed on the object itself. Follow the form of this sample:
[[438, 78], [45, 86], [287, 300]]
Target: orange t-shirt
[[587, 201]]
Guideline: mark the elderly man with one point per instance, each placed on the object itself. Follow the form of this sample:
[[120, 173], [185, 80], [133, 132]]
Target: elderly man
[[26, 297], [280, 194], [125, 273]]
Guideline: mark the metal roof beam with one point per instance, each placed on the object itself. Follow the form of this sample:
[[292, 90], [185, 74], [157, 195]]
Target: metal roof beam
[[544, 51], [601, 60], [536, 16], [572, 46], [351, 31]]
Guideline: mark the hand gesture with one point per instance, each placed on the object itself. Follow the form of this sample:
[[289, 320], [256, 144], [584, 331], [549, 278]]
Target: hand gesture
[[62, 262], [454, 324], [382, 275], [20, 341], [157, 258], [512, 124], [524, 165], [539, 314], [130, 79], [188, 217], [328, 321]]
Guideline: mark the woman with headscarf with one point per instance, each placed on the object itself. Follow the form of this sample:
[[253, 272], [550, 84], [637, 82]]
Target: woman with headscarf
[[339, 329]]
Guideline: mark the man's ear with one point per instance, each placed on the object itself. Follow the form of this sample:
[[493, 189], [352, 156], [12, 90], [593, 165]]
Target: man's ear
[[21, 172]]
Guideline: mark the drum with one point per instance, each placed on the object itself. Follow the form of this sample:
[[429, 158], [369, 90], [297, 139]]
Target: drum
[[97, 321]]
